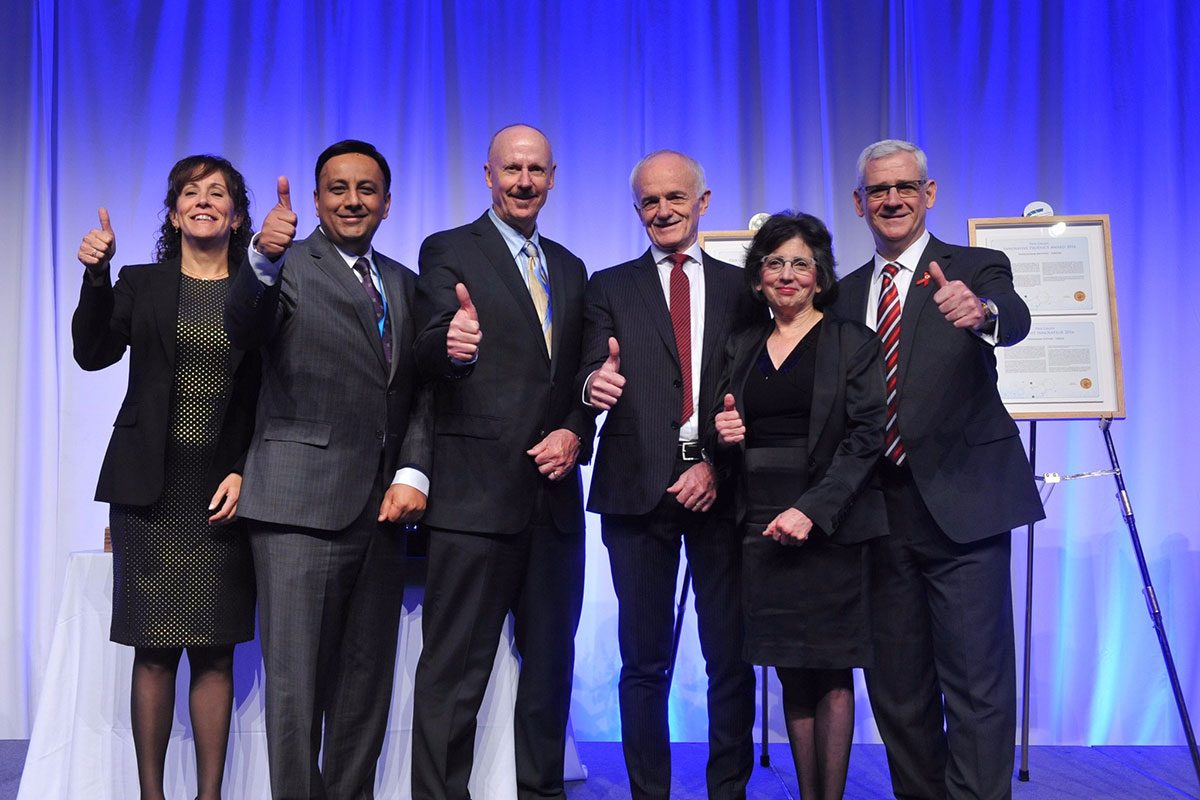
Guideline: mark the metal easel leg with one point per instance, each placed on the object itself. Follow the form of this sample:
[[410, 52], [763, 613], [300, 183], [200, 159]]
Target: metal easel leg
[[1023, 771], [1151, 599]]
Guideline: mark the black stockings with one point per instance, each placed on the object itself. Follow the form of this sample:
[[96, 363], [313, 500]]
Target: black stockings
[[152, 707], [818, 707]]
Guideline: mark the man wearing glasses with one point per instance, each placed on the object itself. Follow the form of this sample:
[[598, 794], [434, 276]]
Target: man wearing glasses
[[956, 481]]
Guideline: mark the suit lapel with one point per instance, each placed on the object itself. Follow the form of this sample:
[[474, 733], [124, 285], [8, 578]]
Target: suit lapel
[[502, 261], [743, 362], [329, 261], [716, 311], [856, 289], [165, 286], [650, 288], [558, 294], [397, 304], [920, 292], [824, 391]]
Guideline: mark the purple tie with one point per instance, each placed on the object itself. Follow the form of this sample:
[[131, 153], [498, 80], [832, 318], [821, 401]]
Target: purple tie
[[363, 268]]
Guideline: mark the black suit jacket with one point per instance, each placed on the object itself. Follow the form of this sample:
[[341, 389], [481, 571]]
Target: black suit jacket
[[845, 433], [963, 448], [331, 416], [141, 312], [640, 435], [489, 414]]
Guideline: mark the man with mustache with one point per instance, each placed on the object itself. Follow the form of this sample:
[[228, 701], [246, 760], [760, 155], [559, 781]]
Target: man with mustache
[[339, 456], [654, 340], [955, 480], [500, 310]]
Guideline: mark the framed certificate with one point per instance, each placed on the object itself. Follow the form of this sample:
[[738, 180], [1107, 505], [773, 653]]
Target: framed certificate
[[1069, 366], [729, 246]]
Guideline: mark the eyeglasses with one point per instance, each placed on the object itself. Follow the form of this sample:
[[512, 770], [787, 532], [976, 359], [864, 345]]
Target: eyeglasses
[[906, 189], [774, 264]]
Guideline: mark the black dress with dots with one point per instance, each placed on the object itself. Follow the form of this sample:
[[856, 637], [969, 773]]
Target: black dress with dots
[[178, 581]]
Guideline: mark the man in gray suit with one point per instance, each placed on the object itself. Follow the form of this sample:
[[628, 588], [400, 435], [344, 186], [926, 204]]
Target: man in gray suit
[[339, 457]]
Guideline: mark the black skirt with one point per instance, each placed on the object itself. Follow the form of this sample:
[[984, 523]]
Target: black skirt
[[805, 605]]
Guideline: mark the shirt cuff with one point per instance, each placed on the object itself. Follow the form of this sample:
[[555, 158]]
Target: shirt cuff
[[460, 363], [587, 389], [266, 269], [411, 476]]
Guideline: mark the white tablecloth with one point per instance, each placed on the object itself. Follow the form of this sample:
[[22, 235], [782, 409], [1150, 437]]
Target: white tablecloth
[[82, 744]]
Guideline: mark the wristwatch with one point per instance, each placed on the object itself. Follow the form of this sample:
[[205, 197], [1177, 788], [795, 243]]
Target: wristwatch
[[990, 311]]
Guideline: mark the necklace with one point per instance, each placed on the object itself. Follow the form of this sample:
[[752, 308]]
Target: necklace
[[202, 277]]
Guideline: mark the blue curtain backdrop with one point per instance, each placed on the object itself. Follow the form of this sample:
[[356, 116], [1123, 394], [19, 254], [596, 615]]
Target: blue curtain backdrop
[[1087, 105]]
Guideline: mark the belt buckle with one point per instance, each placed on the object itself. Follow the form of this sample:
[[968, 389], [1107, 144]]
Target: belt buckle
[[690, 451]]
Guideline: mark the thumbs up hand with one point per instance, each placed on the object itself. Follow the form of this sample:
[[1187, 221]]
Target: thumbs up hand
[[462, 340], [99, 245], [730, 428], [279, 228], [958, 304], [607, 383]]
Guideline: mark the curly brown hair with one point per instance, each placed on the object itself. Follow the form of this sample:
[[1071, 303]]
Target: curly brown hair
[[193, 168]]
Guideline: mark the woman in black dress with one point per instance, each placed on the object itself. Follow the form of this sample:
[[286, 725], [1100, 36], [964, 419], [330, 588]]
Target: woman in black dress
[[802, 418], [182, 574]]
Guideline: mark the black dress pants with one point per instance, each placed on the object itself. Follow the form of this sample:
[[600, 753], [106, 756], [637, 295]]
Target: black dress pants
[[644, 553]]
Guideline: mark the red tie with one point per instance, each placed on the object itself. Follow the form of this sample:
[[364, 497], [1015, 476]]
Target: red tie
[[681, 322], [887, 325]]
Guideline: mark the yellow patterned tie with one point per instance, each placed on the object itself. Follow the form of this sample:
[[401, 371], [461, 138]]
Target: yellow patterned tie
[[539, 288]]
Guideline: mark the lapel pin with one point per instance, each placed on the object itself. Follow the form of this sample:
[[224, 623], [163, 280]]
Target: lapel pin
[[924, 280]]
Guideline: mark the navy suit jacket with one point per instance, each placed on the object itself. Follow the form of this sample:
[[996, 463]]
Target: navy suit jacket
[[487, 415], [641, 433], [964, 450]]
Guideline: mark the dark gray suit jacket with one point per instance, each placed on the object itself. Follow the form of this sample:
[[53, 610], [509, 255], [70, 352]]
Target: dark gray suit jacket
[[488, 415], [330, 414], [640, 435], [963, 448]]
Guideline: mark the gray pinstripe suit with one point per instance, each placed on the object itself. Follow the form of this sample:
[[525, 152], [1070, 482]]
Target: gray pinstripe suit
[[333, 426]]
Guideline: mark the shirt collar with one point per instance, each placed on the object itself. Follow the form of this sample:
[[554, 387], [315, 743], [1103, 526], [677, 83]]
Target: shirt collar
[[513, 237], [908, 260], [351, 260], [694, 253]]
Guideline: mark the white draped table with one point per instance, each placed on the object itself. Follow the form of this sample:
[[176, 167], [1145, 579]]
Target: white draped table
[[82, 744]]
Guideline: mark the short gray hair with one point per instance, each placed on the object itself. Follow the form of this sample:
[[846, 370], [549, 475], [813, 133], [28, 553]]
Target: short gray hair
[[696, 167], [887, 147]]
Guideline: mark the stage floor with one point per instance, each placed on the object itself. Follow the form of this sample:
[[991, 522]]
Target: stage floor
[[1061, 773]]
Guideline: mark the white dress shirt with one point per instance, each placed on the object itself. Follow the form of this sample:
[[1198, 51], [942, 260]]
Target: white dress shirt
[[693, 268]]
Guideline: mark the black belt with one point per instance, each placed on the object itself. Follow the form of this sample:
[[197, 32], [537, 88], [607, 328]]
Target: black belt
[[690, 451]]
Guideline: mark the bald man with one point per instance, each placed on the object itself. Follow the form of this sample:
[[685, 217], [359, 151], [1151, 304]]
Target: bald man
[[500, 318]]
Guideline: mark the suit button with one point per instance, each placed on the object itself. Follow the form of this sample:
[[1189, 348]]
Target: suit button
[[542, 434], [391, 392], [674, 425], [678, 384], [812, 463], [379, 435]]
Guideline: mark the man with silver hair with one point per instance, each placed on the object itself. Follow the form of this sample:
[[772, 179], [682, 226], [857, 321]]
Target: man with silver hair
[[956, 481], [654, 334]]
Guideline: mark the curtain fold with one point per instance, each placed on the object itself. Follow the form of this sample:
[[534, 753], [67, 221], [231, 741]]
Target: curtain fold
[[1089, 105]]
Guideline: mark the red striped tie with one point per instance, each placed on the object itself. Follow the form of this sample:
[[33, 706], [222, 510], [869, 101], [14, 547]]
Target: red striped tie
[[681, 322], [888, 327]]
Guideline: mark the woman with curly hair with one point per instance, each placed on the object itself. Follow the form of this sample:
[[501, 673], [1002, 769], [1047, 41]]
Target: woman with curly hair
[[182, 573]]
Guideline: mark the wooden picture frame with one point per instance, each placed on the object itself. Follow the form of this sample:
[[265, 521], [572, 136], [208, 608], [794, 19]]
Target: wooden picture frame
[[728, 246], [1069, 366]]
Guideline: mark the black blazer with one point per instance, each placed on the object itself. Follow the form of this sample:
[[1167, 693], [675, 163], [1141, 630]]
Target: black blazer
[[140, 312], [332, 417], [489, 414], [640, 435], [845, 434], [963, 448]]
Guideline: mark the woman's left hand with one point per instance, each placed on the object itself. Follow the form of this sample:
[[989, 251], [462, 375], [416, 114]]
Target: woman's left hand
[[225, 500], [790, 527]]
